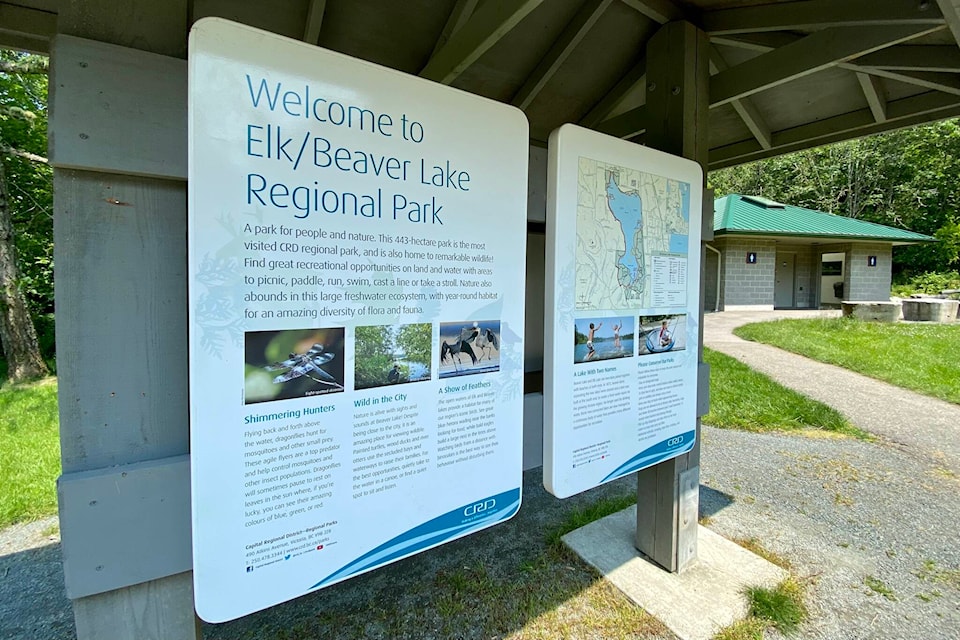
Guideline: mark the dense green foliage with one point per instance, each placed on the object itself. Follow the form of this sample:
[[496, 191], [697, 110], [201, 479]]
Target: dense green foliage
[[921, 357], [29, 451], [906, 179], [379, 348], [23, 127], [927, 282]]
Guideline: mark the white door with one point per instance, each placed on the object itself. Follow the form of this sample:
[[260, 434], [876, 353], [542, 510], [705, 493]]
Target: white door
[[783, 289]]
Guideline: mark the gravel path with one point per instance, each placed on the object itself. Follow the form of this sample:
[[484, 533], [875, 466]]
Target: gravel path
[[925, 427], [872, 526], [847, 515]]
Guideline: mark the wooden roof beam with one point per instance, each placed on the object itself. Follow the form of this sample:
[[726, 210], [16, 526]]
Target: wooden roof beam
[[745, 108], [26, 29], [947, 83], [873, 91], [311, 30], [626, 125], [930, 80], [951, 13], [660, 11], [634, 77], [458, 17], [572, 34], [901, 113], [808, 55], [813, 14], [482, 31], [943, 58]]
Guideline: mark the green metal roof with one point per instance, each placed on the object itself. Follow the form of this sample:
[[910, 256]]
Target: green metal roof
[[754, 215]]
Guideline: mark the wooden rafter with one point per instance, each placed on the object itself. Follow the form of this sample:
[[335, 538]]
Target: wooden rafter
[[458, 17], [660, 11], [943, 58], [485, 27], [935, 81], [633, 78], [311, 30], [951, 13], [873, 91], [626, 125], [813, 14], [808, 55], [26, 29], [900, 113], [574, 32], [744, 107]]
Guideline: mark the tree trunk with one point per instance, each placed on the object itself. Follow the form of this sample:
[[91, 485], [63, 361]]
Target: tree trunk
[[17, 333]]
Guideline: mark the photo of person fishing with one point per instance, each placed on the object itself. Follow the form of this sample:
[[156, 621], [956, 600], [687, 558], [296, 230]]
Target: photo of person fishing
[[602, 339], [659, 334]]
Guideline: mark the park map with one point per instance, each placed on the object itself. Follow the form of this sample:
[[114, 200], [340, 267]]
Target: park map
[[632, 238]]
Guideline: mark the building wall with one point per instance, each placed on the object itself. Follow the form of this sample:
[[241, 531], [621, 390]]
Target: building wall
[[744, 284], [863, 282], [711, 276]]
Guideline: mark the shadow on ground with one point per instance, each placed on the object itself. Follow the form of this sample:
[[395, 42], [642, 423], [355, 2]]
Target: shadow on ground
[[488, 585]]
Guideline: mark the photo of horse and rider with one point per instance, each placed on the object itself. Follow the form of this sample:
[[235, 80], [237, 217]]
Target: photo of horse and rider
[[602, 338], [469, 347]]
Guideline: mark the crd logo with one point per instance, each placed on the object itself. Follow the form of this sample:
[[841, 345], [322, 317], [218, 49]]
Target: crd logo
[[672, 442], [480, 507]]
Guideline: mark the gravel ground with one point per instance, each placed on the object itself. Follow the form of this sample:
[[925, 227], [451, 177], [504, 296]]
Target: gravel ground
[[846, 514]]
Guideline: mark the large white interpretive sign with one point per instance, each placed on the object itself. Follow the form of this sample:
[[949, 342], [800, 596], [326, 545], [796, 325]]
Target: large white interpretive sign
[[356, 307], [622, 301]]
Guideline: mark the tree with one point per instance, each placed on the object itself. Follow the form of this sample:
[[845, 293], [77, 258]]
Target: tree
[[905, 179], [22, 143]]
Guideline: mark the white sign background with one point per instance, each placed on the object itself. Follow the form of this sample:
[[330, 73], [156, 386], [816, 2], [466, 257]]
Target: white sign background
[[606, 418], [436, 185]]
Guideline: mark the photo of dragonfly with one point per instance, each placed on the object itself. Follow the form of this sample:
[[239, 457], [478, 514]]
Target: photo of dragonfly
[[293, 363]]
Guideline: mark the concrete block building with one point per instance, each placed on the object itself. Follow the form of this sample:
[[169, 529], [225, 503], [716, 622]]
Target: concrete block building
[[768, 255]]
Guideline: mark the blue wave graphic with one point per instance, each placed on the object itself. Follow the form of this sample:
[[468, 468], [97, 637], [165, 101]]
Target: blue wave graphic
[[444, 528], [657, 453]]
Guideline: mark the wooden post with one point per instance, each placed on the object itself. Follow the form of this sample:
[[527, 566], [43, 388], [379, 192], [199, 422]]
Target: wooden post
[[677, 110], [120, 243]]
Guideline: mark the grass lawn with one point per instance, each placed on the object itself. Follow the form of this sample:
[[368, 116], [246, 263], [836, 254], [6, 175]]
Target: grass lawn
[[29, 451], [922, 357], [741, 398]]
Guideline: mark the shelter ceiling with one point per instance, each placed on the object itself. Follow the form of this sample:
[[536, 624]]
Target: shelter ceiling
[[786, 74]]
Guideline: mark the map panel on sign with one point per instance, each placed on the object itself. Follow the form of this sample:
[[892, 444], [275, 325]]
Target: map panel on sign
[[632, 238]]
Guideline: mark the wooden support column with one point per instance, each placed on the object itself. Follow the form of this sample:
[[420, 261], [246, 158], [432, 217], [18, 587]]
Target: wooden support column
[[120, 245], [677, 108]]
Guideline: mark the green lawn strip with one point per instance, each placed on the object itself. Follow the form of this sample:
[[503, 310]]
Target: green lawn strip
[[920, 357], [29, 451], [741, 398], [583, 516]]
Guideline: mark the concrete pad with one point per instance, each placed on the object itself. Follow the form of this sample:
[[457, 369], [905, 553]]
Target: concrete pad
[[877, 311], [695, 604]]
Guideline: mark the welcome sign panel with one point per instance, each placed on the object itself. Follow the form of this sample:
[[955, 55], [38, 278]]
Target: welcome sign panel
[[356, 240], [622, 309]]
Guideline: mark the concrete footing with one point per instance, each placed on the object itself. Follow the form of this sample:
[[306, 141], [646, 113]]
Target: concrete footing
[[930, 310], [879, 311], [694, 604]]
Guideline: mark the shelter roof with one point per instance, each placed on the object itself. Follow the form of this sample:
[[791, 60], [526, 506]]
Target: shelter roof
[[786, 74], [756, 216]]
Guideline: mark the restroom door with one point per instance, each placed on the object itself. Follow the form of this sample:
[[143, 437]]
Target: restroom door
[[784, 277]]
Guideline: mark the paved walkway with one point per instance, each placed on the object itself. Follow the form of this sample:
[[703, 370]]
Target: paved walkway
[[919, 425]]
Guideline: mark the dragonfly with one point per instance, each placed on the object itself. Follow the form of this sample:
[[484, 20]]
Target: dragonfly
[[306, 364]]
